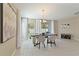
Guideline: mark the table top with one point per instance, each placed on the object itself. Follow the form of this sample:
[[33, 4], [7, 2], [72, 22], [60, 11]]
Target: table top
[[48, 34]]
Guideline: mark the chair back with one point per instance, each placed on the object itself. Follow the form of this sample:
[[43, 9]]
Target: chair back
[[52, 37], [34, 39], [41, 39]]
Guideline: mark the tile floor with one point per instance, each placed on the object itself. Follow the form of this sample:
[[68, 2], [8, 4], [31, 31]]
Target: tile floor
[[64, 48]]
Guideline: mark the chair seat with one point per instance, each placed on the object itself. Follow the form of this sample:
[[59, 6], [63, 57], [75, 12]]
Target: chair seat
[[35, 44], [39, 39], [50, 42]]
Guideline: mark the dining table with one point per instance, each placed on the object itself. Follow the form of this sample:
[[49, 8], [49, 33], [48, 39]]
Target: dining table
[[43, 34]]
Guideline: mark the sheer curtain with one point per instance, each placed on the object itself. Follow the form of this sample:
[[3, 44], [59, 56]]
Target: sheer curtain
[[37, 26], [24, 28]]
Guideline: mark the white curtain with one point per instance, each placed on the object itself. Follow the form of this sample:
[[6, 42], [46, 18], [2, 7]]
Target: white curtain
[[37, 26]]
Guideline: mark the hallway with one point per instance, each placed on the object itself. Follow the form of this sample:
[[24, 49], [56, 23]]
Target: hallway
[[63, 48]]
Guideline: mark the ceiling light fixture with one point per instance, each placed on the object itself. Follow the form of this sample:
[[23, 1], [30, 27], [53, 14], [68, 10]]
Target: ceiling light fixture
[[43, 16]]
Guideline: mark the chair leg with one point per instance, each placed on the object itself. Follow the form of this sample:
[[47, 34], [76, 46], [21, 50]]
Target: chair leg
[[44, 45], [39, 45], [55, 43], [47, 44], [51, 44], [34, 44]]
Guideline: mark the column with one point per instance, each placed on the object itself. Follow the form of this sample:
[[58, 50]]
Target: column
[[51, 26]]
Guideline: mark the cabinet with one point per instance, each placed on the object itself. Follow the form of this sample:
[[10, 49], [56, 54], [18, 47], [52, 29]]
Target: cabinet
[[65, 36]]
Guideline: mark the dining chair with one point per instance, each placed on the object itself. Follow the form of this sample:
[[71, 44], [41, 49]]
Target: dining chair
[[41, 40], [34, 41], [51, 40]]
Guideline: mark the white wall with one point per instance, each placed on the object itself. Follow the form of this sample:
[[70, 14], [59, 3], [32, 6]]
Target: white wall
[[74, 26], [8, 48]]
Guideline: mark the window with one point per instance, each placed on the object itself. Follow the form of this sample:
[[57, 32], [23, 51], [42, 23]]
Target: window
[[44, 25]]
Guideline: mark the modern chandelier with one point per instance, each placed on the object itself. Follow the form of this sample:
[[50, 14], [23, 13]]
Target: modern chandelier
[[43, 15]]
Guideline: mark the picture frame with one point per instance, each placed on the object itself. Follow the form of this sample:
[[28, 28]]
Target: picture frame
[[7, 22]]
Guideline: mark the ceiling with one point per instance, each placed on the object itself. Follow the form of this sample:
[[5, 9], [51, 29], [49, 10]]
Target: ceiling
[[53, 11]]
